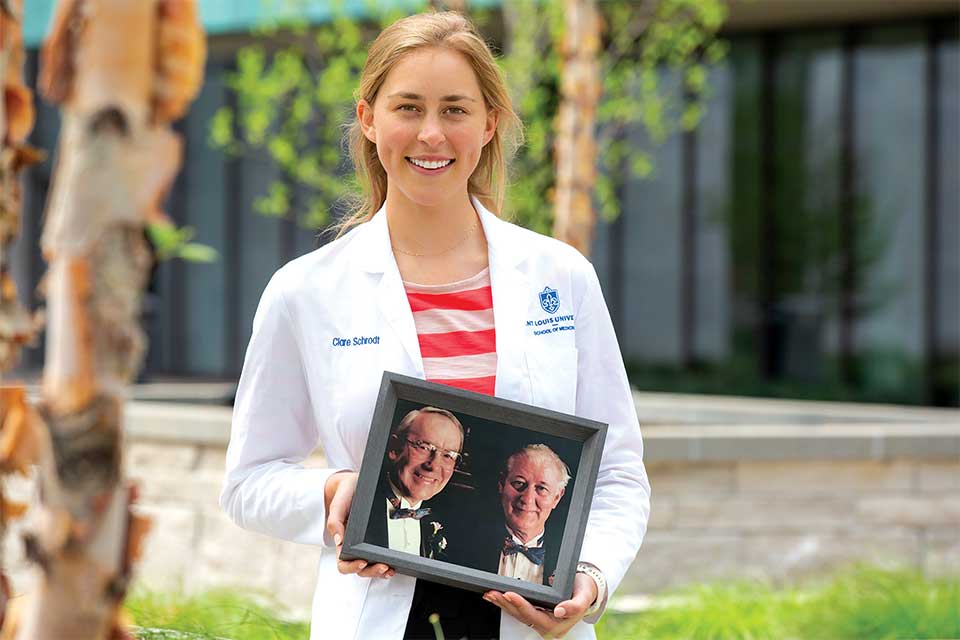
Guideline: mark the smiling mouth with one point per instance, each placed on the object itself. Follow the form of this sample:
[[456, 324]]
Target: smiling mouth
[[430, 165], [425, 478]]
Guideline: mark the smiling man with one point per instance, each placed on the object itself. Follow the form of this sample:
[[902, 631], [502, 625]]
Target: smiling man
[[422, 455], [531, 485]]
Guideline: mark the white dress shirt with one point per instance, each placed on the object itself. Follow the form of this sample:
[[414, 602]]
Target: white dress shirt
[[403, 534]]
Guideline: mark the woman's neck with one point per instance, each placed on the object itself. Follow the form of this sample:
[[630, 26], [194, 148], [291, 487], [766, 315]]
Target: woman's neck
[[436, 244], [417, 228]]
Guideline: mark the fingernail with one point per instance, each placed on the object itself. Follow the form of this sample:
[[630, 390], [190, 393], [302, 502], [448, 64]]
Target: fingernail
[[560, 612], [363, 565], [391, 573], [383, 570], [336, 539]]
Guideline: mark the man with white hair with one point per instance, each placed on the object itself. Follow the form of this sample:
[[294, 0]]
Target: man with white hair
[[532, 482], [422, 455]]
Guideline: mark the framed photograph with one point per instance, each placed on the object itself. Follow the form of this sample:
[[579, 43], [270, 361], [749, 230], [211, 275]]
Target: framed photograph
[[474, 491]]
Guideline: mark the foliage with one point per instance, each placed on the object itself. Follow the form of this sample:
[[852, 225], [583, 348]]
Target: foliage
[[169, 241], [294, 94], [861, 602], [223, 614]]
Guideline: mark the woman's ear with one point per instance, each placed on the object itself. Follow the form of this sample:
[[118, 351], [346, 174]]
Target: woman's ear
[[365, 118], [490, 127]]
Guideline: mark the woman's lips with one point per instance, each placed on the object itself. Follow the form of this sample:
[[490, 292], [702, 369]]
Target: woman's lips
[[429, 172]]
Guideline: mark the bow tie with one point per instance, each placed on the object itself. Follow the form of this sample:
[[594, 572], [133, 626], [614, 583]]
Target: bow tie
[[416, 514], [399, 513], [534, 554]]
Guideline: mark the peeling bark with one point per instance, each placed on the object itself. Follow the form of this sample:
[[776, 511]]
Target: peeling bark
[[21, 435], [575, 147], [17, 325], [121, 71]]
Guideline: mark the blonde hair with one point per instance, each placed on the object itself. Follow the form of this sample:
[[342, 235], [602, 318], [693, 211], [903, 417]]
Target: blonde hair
[[448, 30]]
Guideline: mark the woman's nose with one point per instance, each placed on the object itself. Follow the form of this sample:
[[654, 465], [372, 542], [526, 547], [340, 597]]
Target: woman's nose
[[430, 133]]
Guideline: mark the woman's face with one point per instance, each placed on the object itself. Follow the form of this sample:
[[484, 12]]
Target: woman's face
[[429, 123]]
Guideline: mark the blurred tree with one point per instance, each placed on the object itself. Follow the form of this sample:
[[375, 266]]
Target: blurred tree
[[121, 71], [295, 91], [17, 325]]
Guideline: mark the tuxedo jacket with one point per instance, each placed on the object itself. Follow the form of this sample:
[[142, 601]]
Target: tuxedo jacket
[[479, 547]]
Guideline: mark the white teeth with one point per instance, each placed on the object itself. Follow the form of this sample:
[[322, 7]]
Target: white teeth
[[428, 164]]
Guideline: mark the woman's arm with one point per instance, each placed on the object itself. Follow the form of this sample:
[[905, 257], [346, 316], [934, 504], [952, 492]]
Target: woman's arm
[[621, 500], [266, 488]]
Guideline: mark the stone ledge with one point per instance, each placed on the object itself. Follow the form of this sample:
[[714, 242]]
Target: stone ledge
[[841, 441], [919, 433]]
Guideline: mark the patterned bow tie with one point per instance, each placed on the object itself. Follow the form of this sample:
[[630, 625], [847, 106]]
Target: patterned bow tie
[[397, 513], [534, 555], [416, 514]]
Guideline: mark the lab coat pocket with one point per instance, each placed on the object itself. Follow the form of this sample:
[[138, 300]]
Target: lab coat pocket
[[553, 377]]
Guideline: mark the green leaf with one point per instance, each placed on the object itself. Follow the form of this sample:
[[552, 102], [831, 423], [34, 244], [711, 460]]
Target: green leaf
[[276, 203], [193, 252]]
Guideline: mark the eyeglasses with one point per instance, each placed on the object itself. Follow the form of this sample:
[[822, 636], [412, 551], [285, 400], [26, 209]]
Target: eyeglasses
[[425, 450]]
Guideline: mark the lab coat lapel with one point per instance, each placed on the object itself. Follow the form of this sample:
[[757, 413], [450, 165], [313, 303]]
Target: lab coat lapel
[[375, 256], [510, 303]]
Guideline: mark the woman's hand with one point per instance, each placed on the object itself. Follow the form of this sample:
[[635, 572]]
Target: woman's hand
[[552, 624], [338, 494]]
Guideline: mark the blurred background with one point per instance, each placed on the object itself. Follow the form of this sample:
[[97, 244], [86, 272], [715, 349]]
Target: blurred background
[[800, 241], [779, 216]]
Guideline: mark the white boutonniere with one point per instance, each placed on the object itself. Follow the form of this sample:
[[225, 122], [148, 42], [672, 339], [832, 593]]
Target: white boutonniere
[[436, 527]]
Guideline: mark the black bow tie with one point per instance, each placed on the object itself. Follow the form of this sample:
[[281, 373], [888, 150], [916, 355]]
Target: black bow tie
[[397, 513], [534, 555]]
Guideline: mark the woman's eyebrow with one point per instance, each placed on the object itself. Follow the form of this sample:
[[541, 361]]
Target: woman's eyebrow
[[416, 96]]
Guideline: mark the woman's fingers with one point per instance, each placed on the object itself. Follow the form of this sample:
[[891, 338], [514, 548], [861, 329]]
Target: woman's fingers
[[378, 570], [365, 570]]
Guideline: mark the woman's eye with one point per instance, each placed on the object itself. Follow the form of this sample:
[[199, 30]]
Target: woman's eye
[[407, 107], [456, 111]]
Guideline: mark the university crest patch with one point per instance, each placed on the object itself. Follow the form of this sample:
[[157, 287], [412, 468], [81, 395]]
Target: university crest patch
[[549, 300]]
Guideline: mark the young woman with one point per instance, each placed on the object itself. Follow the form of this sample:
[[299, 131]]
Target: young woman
[[444, 290]]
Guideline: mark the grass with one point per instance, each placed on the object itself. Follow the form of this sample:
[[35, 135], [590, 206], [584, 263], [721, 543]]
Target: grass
[[863, 602], [213, 614]]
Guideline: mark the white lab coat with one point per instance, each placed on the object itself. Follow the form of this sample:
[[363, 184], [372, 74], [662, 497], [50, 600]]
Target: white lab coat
[[298, 391]]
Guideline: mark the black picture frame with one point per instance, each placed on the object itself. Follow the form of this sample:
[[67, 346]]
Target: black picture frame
[[586, 436]]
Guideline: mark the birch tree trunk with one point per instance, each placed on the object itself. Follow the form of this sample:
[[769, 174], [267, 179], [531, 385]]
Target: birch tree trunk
[[122, 71], [17, 325], [575, 146]]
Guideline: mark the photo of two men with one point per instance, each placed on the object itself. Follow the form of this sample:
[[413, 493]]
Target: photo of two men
[[473, 492]]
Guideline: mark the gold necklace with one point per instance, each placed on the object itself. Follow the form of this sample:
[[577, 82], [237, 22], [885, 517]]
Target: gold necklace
[[459, 242]]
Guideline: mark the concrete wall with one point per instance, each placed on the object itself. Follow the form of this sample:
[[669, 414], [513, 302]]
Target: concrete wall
[[742, 488]]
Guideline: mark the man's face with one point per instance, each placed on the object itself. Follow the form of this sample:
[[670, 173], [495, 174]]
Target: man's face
[[421, 473], [529, 492]]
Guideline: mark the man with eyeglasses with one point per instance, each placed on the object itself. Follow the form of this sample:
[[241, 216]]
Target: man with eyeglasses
[[423, 452]]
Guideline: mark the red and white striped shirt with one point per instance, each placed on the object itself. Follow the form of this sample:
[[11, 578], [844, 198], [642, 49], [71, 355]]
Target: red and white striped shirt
[[455, 328]]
